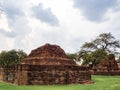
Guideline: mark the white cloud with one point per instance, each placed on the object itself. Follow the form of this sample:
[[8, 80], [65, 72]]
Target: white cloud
[[20, 29], [5, 43]]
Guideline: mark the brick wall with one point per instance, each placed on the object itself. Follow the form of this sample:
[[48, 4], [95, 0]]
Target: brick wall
[[46, 74], [57, 74], [111, 73]]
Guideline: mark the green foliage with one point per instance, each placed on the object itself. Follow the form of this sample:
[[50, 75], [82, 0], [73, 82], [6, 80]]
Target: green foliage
[[3, 57], [12, 57], [71, 56], [95, 56], [98, 55], [101, 83]]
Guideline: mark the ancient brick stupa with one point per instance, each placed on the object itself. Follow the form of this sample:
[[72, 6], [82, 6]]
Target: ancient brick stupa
[[48, 55], [48, 65]]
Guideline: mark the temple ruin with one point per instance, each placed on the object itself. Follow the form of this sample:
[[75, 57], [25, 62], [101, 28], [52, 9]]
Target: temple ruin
[[46, 65], [107, 67]]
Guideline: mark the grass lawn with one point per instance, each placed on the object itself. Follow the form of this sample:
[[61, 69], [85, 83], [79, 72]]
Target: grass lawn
[[101, 83]]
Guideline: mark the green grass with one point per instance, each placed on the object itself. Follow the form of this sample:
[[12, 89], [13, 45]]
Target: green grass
[[101, 83]]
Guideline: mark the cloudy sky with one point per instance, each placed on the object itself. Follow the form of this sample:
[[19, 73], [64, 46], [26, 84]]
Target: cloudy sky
[[28, 24]]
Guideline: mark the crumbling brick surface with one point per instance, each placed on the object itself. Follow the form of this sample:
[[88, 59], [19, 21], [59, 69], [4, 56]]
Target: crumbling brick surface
[[47, 74], [48, 55], [48, 50], [109, 65]]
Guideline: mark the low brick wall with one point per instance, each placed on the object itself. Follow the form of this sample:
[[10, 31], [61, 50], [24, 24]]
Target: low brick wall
[[8, 74], [111, 73], [1, 74], [45, 74], [57, 74]]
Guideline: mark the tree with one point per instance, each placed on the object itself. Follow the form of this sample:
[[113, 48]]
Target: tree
[[71, 56], [12, 57], [99, 48], [21, 55], [105, 42], [98, 55], [118, 60], [3, 57]]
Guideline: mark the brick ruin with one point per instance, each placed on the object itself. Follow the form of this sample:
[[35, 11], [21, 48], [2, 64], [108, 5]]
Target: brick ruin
[[48, 55], [107, 67], [46, 65], [112, 64]]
